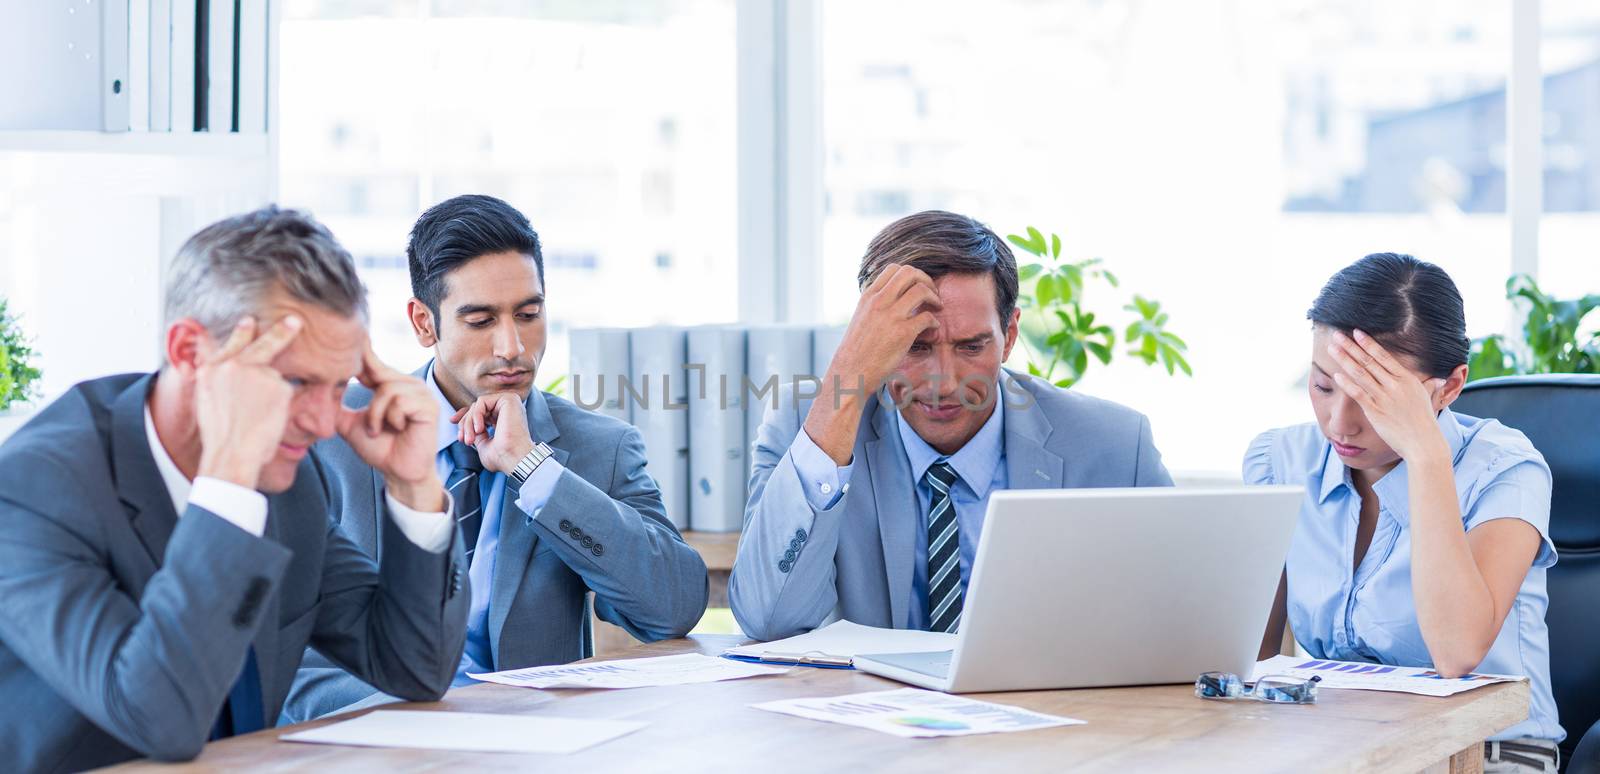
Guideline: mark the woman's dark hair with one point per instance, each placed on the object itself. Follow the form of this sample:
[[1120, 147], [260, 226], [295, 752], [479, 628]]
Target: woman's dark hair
[[1411, 307], [457, 230]]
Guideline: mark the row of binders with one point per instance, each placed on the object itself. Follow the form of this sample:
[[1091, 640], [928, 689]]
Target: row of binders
[[135, 65], [697, 396]]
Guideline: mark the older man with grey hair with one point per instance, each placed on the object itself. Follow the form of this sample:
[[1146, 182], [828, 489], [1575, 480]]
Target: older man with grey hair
[[167, 546]]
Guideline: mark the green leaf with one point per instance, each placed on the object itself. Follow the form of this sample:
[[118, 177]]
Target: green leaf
[[1183, 364], [1036, 238], [1101, 351], [1111, 278], [1045, 290], [1028, 271], [1055, 246], [557, 385]]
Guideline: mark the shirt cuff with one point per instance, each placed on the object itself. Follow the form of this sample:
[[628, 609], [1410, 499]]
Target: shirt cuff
[[430, 530], [241, 507], [536, 491], [822, 481]]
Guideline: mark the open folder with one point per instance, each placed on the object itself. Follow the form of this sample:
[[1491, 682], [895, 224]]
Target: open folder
[[836, 645]]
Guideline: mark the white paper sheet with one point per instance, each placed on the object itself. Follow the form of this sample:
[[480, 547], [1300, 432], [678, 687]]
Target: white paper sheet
[[1375, 677], [844, 638], [913, 712], [467, 731], [631, 673]]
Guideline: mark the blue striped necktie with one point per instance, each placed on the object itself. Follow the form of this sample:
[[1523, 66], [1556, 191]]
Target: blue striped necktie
[[944, 551], [464, 489]]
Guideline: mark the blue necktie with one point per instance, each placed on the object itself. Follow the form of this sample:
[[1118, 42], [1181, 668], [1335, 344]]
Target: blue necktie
[[944, 551], [242, 714], [466, 484]]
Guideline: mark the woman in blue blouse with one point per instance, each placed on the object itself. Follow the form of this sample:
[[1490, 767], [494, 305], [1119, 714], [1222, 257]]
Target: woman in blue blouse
[[1424, 536]]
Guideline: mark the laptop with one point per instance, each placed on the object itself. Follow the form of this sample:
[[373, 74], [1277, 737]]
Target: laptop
[[1085, 588]]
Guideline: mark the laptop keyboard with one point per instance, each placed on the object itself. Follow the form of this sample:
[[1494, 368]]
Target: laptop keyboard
[[935, 664]]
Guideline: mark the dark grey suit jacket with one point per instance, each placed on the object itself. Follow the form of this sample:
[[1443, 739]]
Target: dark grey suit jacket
[[603, 529], [123, 627]]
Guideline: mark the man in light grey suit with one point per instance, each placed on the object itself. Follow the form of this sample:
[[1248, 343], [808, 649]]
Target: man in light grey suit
[[567, 506], [867, 500], [166, 546]]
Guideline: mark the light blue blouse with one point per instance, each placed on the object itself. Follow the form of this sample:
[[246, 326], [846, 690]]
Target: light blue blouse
[[1370, 615]]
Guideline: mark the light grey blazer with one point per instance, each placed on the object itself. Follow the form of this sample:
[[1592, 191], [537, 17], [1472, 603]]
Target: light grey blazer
[[856, 556], [645, 578], [123, 627]]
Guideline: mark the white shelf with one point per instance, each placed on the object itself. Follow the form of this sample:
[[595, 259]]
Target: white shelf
[[195, 144]]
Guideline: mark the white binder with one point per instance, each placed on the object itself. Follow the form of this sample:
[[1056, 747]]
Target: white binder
[[138, 85], [717, 446], [114, 85], [219, 67], [184, 78], [252, 83], [774, 356], [160, 96], [65, 65], [824, 342], [658, 396], [598, 368]]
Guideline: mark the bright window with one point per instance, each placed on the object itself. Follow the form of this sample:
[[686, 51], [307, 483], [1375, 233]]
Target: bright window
[[610, 125], [1224, 158]]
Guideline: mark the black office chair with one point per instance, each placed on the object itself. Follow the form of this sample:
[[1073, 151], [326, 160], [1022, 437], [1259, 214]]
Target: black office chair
[[1560, 413]]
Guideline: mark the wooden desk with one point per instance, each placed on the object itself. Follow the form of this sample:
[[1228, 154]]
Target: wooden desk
[[711, 727]]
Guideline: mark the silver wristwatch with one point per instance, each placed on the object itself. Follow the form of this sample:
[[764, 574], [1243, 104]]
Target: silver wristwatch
[[529, 463]]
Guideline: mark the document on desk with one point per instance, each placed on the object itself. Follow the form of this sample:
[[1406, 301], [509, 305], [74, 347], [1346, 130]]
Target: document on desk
[[467, 732], [845, 640], [1361, 676], [914, 712], [681, 669]]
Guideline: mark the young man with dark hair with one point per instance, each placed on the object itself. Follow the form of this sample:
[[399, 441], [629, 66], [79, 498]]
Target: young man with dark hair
[[167, 556], [553, 501], [917, 396]]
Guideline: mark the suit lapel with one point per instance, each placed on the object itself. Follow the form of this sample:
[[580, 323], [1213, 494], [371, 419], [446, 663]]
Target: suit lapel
[[516, 535], [139, 482], [1029, 465], [896, 499]]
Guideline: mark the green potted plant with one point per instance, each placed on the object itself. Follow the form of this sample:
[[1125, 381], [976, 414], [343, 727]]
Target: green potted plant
[[19, 379], [1558, 336], [1059, 332]]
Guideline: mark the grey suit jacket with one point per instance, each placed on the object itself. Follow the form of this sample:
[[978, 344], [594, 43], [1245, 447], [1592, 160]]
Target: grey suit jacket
[[603, 529], [855, 557], [123, 627]]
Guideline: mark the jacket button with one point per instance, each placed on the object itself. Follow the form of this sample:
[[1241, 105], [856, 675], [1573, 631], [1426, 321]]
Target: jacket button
[[784, 566], [598, 549], [788, 556], [565, 525], [577, 534], [800, 535], [588, 542], [794, 545]]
